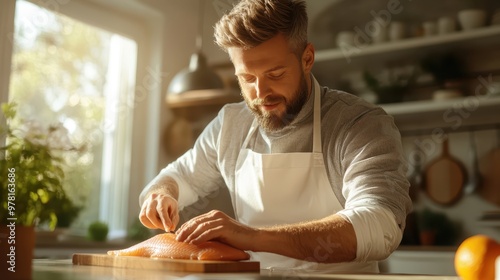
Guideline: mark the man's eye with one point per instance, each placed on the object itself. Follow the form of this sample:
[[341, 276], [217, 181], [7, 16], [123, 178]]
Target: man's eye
[[276, 75]]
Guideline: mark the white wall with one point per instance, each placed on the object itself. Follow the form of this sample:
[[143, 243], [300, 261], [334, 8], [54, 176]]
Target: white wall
[[180, 29]]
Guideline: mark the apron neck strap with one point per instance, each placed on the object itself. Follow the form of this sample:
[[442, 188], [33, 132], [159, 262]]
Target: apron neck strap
[[317, 117]]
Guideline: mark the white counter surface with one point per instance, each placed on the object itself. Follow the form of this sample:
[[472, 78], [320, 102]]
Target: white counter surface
[[64, 269]]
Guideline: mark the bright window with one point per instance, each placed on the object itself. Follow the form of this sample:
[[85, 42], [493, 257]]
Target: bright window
[[64, 70]]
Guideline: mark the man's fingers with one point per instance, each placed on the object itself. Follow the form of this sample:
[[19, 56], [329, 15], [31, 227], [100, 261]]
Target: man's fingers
[[163, 215], [187, 228], [205, 232], [160, 212], [190, 229], [145, 220], [146, 223], [175, 220], [152, 215], [167, 211]]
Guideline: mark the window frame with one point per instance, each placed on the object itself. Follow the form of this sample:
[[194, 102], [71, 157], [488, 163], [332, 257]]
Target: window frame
[[132, 20]]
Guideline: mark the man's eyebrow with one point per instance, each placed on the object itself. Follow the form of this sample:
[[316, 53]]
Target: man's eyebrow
[[279, 67]]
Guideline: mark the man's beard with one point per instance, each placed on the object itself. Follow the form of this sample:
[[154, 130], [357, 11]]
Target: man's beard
[[272, 121]]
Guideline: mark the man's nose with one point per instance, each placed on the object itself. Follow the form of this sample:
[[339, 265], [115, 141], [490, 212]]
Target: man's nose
[[262, 89]]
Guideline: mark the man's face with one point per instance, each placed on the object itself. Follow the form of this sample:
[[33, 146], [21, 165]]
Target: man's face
[[274, 82]]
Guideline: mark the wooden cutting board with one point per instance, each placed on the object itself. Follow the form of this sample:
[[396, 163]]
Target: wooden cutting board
[[445, 178], [165, 264]]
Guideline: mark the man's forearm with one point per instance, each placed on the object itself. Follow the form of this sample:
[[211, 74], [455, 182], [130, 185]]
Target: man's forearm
[[164, 185], [329, 240]]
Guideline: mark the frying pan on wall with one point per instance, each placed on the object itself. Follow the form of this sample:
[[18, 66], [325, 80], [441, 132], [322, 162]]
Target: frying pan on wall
[[445, 177]]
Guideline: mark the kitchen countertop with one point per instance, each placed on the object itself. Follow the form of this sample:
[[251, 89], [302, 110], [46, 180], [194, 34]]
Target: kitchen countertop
[[64, 269]]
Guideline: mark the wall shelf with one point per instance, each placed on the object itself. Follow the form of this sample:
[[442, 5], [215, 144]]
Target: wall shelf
[[202, 98], [476, 36], [196, 105], [337, 59], [449, 114], [331, 64]]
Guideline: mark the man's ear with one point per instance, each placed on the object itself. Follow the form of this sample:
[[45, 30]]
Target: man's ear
[[308, 58]]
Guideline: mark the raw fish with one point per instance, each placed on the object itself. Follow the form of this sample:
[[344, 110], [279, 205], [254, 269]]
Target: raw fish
[[165, 246]]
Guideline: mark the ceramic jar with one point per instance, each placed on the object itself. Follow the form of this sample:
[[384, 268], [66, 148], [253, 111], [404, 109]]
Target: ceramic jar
[[446, 25], [429, 28], [397, 31]]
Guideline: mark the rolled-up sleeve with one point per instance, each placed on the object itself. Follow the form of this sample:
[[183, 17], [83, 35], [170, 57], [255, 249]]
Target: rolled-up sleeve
[[375, 187]]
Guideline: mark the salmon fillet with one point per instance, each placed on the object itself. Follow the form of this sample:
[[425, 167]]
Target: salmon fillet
[[165, 246]]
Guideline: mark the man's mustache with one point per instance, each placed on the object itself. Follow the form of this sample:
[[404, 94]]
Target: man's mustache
[[271, 99]]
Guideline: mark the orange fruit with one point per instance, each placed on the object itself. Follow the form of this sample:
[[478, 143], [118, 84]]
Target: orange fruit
[[475, 258]]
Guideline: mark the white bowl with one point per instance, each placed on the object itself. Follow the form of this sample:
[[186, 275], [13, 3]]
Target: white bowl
[[471, 19]]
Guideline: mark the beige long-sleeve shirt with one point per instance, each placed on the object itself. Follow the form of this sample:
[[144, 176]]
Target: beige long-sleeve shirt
[[362, 153]]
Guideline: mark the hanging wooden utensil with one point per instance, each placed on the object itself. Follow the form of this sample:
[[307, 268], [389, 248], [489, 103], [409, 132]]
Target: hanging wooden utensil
[[445, 177], [490, 189]]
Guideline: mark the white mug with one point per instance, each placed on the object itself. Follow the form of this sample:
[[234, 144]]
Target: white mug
[[446, 25]]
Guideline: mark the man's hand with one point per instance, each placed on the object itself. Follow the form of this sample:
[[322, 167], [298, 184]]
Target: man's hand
[[160, 211], [215, 225], [328, 240]]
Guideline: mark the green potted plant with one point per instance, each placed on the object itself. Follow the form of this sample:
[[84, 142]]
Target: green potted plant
[[391, 91], [448, 72], [32, 159], [98, 231], [435, 228], [31, 187]]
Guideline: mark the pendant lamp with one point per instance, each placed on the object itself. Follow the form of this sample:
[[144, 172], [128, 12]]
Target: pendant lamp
[[198, 81]]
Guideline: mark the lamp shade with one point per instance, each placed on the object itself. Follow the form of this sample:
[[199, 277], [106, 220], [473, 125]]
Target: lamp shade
[[197, 77]]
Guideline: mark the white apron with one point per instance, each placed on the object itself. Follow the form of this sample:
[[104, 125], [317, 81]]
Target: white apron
[[284, 188]]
